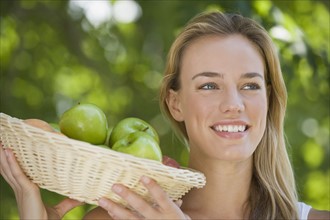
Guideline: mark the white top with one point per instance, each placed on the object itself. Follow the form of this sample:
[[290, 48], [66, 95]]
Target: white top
[[303, 210]]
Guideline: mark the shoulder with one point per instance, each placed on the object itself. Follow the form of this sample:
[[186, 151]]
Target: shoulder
[[97, 213], [318, 214]]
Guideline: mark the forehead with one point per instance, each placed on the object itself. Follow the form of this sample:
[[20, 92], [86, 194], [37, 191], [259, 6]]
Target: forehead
[[233, 53]]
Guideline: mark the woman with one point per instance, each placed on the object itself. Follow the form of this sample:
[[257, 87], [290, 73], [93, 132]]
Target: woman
[[224, 93]]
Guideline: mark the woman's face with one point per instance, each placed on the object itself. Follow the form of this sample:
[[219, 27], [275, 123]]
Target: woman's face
[[223, 98]]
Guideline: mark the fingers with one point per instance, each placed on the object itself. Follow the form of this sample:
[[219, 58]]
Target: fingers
[[27, 193], [116, 211], [14, 174], [163, 204], [5, 169], [157, 193], [134, 200]]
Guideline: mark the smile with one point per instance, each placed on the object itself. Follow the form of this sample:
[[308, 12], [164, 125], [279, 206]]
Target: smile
[[229, 128]]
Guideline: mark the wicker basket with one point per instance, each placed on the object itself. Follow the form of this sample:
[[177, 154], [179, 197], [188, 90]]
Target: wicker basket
[[86, 172]]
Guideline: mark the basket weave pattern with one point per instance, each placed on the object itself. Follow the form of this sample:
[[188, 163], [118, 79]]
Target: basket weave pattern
[[86, 172]]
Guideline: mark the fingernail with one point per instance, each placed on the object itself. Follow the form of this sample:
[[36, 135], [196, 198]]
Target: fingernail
[[102, 202], [117, 188], [145, 180], [179, 202]]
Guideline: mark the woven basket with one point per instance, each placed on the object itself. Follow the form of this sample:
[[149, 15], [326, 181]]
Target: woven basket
[[86, 172]]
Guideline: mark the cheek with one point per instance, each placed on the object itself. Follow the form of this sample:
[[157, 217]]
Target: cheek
[[258, 111], [195, 111], [196, 107]]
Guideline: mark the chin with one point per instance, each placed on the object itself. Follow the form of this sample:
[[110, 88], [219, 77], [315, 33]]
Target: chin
[[232, 155]]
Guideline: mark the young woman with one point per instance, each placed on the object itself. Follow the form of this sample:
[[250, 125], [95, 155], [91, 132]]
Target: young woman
[[224, 93]]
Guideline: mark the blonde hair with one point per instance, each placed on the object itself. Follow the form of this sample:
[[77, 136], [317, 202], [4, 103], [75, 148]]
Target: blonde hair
[[273, 192]]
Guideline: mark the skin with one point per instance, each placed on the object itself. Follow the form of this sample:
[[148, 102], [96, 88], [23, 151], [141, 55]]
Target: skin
[[223, 78]]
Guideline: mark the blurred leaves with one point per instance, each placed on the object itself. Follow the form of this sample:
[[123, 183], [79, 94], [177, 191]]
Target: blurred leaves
[[53, 55]]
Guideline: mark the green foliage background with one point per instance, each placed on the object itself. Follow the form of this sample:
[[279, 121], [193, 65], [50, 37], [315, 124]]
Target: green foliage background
[[52, 58]]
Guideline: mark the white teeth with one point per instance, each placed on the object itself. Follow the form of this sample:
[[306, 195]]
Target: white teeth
[[230, 128]]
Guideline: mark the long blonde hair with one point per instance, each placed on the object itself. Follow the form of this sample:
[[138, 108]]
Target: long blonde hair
[[273, 192]]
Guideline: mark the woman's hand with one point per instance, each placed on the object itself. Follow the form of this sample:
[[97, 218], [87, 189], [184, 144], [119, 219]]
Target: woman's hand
[[28, 197], [164, 207]]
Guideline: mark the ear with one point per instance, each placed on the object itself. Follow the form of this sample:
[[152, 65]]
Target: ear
[[174, 105]]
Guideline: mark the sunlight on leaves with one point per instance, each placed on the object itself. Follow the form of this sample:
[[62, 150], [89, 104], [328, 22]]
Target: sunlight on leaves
[[29, 92], [75, 81], [323, 136], [23, 61], [28, 4], [313, 154], [99, 97], [316, 189], [317, 20], [310, 127], [9, 39], [262, 7], [30, 39], [119, 99]]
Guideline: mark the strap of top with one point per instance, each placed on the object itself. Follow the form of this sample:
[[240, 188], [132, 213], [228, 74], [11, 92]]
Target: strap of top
[[303, 210]]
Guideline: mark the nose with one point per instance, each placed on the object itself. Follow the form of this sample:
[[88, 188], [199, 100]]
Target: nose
[[232, 102]]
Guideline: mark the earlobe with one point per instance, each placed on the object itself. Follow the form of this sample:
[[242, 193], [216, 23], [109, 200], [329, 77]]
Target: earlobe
[[173, 103]]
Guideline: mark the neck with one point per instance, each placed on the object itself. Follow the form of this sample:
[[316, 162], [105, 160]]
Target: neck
[[226, 192]]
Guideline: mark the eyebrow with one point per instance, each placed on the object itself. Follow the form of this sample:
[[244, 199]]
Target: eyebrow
[[208, 74], [251, 75], [248, 75]]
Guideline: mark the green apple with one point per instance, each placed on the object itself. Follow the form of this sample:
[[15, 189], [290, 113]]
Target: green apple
[[85, 122], [130, 125], [106, 142], [139, 144]]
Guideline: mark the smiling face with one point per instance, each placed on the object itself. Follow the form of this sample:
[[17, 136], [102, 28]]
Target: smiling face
[[222, 97]]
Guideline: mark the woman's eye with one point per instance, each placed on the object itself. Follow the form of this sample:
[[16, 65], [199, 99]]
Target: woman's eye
[[251, 86], [208, 86]]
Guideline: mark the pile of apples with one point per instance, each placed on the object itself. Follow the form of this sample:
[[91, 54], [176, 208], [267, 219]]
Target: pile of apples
[[87, 122]]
